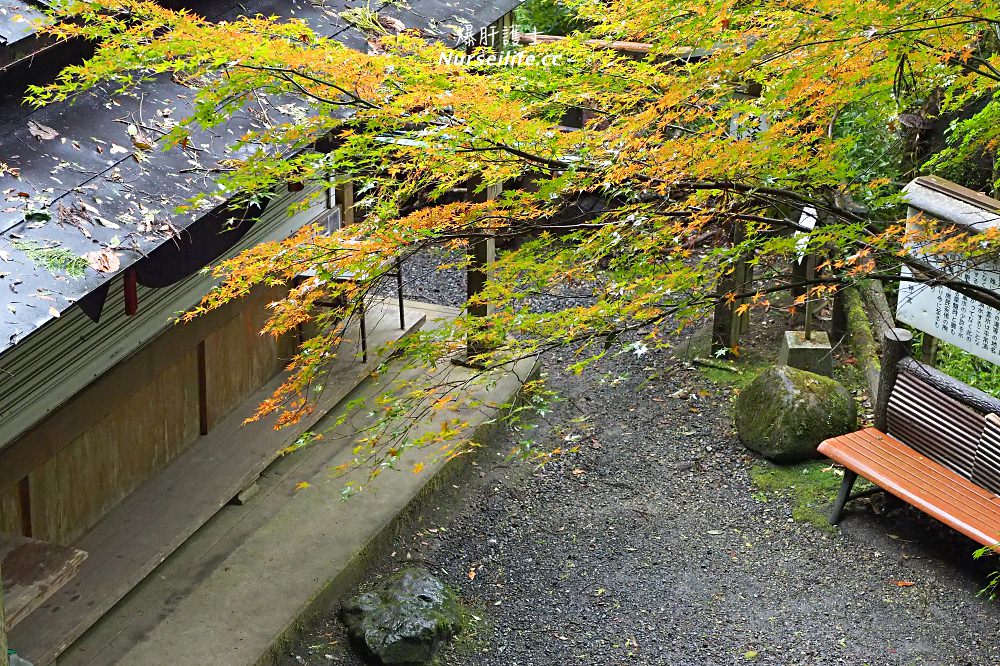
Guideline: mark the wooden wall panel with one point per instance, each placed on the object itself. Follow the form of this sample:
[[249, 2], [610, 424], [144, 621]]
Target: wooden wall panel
[[10, 511], [150, 427], [239, 360]]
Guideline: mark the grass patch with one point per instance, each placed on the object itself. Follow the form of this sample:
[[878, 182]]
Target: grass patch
[[850, 375], [733, 373], [811, 487]]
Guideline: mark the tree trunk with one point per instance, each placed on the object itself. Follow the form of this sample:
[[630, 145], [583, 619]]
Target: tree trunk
[[861, 340], [878, 308]]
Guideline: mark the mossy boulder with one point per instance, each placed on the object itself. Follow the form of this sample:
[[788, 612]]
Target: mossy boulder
[[405, 619], [785, 413]]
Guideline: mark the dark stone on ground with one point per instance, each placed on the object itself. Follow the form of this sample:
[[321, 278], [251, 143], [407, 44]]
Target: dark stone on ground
[[785, 413], [405, 619]]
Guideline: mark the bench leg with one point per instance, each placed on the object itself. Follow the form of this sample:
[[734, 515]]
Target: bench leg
[[845, 494]]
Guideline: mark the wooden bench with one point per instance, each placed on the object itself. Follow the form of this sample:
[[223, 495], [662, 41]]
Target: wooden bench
[[935, 445]]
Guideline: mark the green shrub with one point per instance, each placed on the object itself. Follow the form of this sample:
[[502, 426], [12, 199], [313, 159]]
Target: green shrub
[[549, 17], [965, 367]]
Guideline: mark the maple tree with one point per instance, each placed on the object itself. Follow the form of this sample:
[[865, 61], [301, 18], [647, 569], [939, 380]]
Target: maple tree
[[740, 115]]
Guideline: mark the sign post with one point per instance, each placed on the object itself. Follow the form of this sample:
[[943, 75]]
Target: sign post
[[939, 311]]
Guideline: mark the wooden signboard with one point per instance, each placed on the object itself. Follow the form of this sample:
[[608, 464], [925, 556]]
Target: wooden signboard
[[939, 311]]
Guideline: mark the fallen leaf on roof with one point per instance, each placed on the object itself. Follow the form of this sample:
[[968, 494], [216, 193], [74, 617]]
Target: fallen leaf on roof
[[53, 312], [41, 132], [904, 583], [103, 261], [392, 23], [107, 223], [142, 142]]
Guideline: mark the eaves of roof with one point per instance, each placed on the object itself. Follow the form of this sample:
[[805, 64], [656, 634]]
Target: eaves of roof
[[94, 191]]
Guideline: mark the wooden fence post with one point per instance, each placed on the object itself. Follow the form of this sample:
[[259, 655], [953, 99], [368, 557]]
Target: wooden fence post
[[895, 347], [928, 349], [481, 254], [727, 326]]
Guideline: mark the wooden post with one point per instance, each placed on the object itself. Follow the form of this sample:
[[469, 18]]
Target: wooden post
[[895, 347], [4, 661], [838, 325], [928, 349], [345, 199], [481, 254], [810, 261], [727, 326], [744, 278]]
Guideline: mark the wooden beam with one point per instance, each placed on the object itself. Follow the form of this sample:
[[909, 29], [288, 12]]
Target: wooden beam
[[636, 48], [928, 349]]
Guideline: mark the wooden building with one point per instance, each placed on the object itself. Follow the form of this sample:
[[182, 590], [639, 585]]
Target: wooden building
[[120, 432]]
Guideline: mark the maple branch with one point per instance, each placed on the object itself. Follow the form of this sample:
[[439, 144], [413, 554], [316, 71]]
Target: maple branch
[[289, 71]]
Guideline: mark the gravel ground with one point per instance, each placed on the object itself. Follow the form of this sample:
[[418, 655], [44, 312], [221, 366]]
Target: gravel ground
[[652, 546]]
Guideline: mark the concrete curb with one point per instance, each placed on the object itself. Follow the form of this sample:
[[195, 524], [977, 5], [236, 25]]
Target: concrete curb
[[379, 546], [243, 600]]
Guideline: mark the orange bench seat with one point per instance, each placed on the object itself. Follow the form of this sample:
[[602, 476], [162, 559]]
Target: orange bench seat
[[920, 481]]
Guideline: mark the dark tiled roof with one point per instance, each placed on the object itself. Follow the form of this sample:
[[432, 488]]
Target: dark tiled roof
[[17, 20], [74, 161]]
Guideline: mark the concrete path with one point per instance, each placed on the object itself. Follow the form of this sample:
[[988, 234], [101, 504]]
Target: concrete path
[[234, 593]]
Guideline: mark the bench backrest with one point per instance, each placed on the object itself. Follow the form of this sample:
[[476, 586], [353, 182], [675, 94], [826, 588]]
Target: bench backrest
[[986, 473], [946, 421]]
